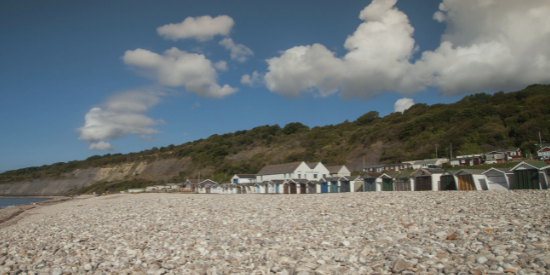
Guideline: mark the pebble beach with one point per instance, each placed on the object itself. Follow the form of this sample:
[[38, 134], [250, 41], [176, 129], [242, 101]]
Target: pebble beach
[[489, 232]]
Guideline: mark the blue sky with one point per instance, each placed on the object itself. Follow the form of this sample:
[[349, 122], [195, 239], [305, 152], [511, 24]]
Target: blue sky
[[60, 59]]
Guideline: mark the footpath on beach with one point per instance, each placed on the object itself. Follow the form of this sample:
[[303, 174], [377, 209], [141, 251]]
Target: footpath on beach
[[491, 232]]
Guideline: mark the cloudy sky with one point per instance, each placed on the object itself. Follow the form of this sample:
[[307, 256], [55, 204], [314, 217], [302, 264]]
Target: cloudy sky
[[79, 78]]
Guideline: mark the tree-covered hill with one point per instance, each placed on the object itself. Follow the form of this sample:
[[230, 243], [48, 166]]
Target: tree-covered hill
[[477, 123]]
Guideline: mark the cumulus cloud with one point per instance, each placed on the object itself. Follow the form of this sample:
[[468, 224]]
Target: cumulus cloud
[[201, 28], [251, 80], [119, 116], [177, 68], [238, 52], [488, 46], [403, 104], [221, 65], [101, 145], [377, 59]]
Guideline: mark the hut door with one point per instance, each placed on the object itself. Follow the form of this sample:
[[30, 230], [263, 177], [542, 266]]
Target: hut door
[[324, 187], [423, 184], [286, 187], [303, 189], [370, 185], [387, 185], [526, 179], [292, 188], [311, 189], [358, 186], [276, 188], [334, 187], [344, 186], [447, 183], [208, 191], [402, 184], [466, 183]]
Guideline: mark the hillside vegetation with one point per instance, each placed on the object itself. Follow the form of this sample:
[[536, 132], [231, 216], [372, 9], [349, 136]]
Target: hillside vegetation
[[477, 123]]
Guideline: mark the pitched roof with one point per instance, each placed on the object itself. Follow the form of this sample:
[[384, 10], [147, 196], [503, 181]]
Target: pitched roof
[[425, 162], [505, 150], [246, 176], [371, 175], [312, 164], [334, 169], [355, 166], [279, 168], [503, 170], [351, 178]]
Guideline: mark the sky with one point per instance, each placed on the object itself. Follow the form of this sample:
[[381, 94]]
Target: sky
[[83, 78]]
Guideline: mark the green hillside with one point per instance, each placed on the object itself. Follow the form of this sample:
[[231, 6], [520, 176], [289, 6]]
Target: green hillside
[[477, 123]]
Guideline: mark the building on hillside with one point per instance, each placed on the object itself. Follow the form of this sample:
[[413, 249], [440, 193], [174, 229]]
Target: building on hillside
[[503, 155], [193, 185], [338, 171], [427, 163], [136, 190], [544, 153], [467, 160], [397, 167], [243, 178], [295, 170]]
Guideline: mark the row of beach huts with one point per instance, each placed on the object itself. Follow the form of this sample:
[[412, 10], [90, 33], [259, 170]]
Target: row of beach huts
[[316, 178]]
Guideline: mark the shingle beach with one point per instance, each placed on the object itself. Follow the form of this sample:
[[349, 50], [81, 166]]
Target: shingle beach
[[483, 232]]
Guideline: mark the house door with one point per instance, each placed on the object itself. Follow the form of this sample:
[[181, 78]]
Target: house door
[[334, 187], [292, 188], [466, 183], [387, 184], [526, 179], [447, 183], [370, 185], [423, 184], [324, 187], [344, 186]]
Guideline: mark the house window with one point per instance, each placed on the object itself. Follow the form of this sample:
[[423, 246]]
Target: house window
[[513, 153], [314, 176], [299, 176], [324, 175]]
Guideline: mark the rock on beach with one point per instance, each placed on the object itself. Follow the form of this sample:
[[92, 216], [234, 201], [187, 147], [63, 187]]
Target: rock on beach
[[483, 232]]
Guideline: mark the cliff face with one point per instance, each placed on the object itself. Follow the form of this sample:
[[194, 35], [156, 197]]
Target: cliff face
[[158, 170]]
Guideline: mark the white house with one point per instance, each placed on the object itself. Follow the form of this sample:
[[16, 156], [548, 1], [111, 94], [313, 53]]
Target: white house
[[295, 170], [417, 164], [338, 171], [243, 178]]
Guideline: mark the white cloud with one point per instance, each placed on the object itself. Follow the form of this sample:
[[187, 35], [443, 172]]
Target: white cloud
[[238, 52], [377, 60], [251, 80], [120, 115], [201, 28], [177, 68], [146, 138], [488, 46], [403, 104], [101, 145], [221, 65]]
